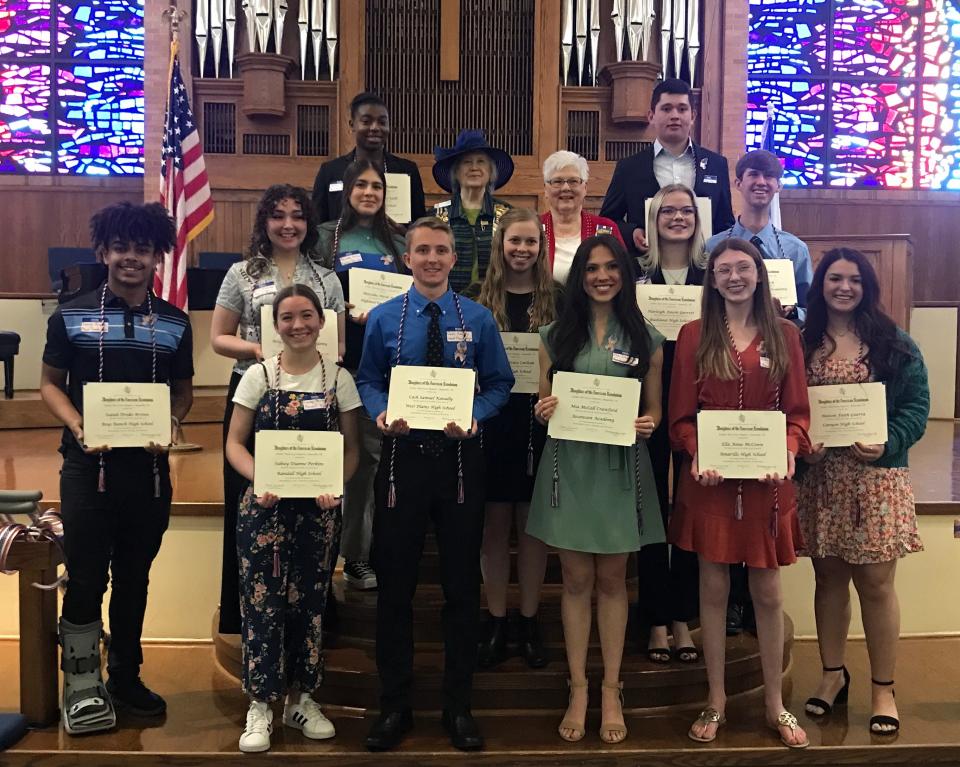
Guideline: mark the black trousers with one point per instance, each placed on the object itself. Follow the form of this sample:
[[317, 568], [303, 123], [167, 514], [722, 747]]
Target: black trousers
[[426, 489], [233, 487], [116, 533], [669, 576]]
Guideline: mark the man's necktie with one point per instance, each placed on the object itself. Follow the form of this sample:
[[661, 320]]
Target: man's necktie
[[434, 442], [758, 244]]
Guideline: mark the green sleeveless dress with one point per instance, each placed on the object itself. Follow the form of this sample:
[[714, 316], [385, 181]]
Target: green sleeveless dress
[[597, 510]]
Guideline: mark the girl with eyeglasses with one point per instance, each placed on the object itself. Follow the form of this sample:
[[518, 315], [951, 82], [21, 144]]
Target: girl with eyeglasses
[[739, 356], [668, 578]]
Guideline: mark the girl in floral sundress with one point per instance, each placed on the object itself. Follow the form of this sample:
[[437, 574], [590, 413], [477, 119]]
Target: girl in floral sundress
[[286, 547], [856, 503]]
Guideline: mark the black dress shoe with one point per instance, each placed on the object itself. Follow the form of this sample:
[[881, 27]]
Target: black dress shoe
[[531, 645], [734, 620], [131, 694], [389, 730], [493, 646], [463, 731]]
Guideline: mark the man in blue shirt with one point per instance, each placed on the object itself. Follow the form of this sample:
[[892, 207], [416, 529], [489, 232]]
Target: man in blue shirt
[[429, 475], [759, 179]]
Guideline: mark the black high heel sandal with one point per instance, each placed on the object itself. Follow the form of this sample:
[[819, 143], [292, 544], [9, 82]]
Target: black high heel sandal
[[839, 699], [883, 719]]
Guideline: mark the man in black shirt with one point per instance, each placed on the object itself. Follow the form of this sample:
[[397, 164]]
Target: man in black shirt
[[370, 123], [115, 503]]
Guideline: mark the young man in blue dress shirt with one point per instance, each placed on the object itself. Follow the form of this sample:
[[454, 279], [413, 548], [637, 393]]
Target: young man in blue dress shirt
[[759, 179], [429, 475]]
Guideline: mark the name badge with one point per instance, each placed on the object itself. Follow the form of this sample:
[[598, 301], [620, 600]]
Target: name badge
[[316, 403], [94, 326], [764, 359], [351, 258], [460, 335], [604, 229], [335, 186], [444, 204], [264, 289], [623, 358], [709, 179]]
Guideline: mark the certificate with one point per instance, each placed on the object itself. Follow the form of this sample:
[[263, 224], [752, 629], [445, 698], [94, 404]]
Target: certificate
[[595, 408], [523, 351], [272, 345], [398, 197], [669, 307], [126, 414], [371, 287], [704, 209], [846, 413], [742, 444], [298, 464], [430, 398], [783, 285]]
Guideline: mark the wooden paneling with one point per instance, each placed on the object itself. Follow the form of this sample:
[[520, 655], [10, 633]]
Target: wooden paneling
[[930, 218], [41, 214], [889, 255]]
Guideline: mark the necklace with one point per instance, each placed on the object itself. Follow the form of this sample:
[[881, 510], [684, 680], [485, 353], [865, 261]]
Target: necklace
[[152, 322], [461, 357], [738, 508]]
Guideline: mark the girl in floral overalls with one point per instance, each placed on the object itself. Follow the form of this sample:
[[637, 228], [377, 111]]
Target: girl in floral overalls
[[286, 547]]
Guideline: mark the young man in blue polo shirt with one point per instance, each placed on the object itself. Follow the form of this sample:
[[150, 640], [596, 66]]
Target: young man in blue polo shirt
[[115, 503], [429, 475]]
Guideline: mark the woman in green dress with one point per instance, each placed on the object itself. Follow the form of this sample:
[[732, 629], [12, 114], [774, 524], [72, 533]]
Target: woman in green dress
[[593, 502]]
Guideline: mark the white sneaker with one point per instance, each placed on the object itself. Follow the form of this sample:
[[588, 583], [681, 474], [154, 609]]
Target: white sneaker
[[256, 736], [307, 717], [359, 575]]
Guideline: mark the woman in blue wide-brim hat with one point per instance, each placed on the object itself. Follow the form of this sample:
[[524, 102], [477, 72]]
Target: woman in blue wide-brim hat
[[471, 170]]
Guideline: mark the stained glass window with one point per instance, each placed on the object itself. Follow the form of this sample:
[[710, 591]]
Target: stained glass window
[[71, 86], [865, 93]]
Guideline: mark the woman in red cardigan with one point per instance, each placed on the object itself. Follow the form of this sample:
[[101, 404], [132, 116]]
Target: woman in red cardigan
[[567, 224], [739, 356]]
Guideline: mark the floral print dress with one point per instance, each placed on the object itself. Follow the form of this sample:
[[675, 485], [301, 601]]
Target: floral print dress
[[860, 513], [286, 557]]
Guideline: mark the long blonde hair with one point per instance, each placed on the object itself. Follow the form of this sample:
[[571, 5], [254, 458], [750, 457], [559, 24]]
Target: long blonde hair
[[493, 295], [696, 246], [713, 353]]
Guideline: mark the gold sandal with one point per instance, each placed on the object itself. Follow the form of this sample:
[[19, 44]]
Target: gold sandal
[[709, 715], [579, 729], [615, 732], [786, 719]]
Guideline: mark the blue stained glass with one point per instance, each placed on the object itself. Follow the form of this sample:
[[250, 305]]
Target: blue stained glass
[[799, 126], [785, 37], [100, 120], [104, 30]]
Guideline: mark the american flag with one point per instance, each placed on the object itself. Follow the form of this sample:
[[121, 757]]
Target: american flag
[[184, 188]]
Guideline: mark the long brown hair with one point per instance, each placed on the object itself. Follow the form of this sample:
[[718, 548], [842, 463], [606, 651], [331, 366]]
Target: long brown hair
[[493, 295], [714, 357]]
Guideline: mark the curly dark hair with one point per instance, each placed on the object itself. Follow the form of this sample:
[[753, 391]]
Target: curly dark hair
[[886, 350], [571, 332], [261, 249], [128, 222]]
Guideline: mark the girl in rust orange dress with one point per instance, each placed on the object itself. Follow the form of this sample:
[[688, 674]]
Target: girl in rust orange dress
[[739, 356]]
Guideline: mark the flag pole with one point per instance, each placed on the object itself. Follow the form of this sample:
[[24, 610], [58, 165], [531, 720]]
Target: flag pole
[[174, 16]]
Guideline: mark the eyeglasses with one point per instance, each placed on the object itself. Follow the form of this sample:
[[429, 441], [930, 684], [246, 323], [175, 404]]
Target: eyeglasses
[[687, 211], [557, 183], [724, 272]]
